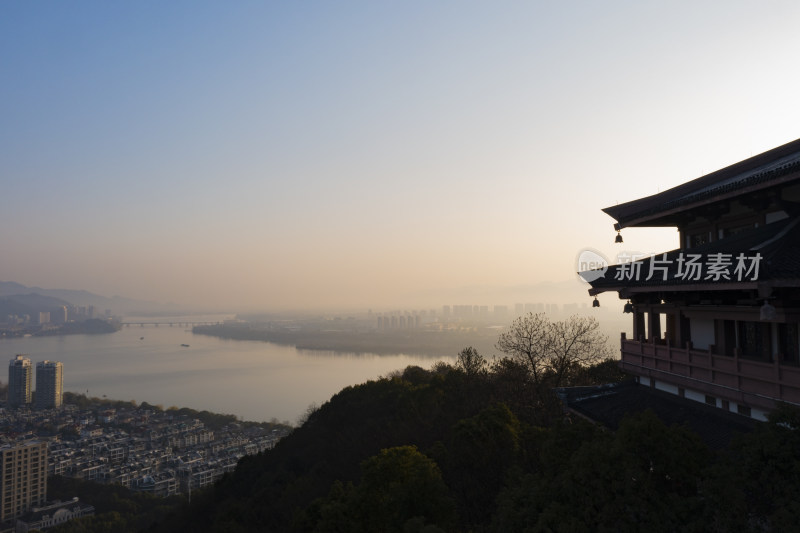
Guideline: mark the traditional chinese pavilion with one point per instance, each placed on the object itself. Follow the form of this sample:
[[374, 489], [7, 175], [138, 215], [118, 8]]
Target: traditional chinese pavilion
[[717, 319]]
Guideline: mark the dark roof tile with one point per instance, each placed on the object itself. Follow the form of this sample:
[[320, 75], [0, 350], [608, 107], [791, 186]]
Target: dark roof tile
[[758, 171], [609, 404], [777, 244]]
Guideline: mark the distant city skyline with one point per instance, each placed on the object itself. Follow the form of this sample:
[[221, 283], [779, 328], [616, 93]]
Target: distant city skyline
[[571, 292], [263, 156]]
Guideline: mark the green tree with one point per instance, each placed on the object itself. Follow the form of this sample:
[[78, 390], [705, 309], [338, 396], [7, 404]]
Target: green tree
[[401, 484], [480, 451], [644, 477], [401, 490], [471, 362], [765, 465]]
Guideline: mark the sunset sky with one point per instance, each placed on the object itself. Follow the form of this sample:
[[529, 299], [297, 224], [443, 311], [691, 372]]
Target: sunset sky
[[270, 155]]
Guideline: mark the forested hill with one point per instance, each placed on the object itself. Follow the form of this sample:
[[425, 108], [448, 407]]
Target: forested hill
[[460, 432], [480, 447]]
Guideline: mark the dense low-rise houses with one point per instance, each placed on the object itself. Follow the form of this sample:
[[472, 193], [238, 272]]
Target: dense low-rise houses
[[145, 450]]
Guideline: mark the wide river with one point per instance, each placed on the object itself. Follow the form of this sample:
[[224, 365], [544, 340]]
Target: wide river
[[253, 380]]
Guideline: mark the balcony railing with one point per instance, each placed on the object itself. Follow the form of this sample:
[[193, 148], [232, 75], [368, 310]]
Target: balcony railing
[[747, 381]]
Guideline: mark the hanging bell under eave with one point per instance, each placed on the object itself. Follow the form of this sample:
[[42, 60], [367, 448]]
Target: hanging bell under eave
[[618, 238], [596, 302], [628, 307]]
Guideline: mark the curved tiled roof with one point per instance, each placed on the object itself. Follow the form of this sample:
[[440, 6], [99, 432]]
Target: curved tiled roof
[[759, 171], [777, 244]]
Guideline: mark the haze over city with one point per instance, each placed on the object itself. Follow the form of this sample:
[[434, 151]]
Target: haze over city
[[260, 156]]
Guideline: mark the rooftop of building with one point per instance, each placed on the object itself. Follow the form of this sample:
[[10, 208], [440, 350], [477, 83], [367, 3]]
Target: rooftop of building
[[50, 508], [775, 247], [765, 170], [9, 442], [609, 404]]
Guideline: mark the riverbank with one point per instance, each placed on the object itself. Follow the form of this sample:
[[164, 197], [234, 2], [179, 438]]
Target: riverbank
[[254, 380], [92, 326], [425, 343]]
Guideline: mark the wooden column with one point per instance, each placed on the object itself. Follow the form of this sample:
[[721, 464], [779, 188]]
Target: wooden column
[[673, 336], [638, 326], [654, 326]]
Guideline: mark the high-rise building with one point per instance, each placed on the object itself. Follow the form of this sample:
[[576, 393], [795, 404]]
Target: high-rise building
[[49, 384], [20, 374], [23, 477]]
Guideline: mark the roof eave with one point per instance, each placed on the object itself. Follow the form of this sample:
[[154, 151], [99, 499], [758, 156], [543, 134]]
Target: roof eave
[[618, 212], [625, 290], [648, 220]]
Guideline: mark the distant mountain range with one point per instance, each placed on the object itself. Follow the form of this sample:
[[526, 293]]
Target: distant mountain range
[[18, 299]]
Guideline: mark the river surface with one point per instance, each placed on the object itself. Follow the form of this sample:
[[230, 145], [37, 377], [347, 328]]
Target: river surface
[[253, 380]]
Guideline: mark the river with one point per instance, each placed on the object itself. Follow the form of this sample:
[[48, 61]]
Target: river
[[253, 380]]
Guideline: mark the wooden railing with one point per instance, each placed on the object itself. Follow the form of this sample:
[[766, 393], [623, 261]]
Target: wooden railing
[[750, 381]]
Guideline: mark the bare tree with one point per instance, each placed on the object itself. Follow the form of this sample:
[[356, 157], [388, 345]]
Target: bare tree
[[527, 340], [575, 342], [553, 350]]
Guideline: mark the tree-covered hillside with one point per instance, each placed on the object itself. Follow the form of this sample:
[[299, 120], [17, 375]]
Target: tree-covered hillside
[[484, 446], [453, 450]]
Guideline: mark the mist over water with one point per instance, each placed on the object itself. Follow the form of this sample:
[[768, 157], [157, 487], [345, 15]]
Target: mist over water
[[253, 380]]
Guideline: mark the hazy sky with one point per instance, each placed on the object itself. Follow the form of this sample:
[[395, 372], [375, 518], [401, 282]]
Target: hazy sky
[[301, 154]]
